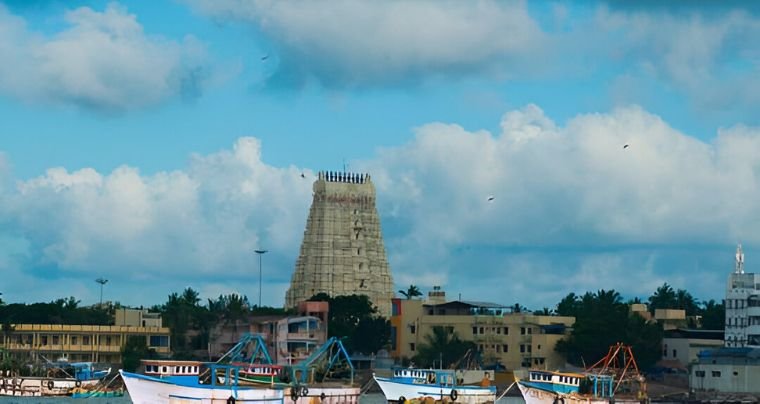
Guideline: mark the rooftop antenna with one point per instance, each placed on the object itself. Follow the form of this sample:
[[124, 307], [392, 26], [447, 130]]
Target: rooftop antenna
[[739, 260]]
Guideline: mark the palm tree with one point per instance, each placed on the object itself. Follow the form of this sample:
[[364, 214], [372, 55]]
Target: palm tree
[[442, 345], [411, 293], [687, 302], [544, 312], [663, 298]]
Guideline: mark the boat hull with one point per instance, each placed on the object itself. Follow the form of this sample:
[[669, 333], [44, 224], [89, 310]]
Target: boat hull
[[396, 391], [148, 390], [532, 395], [39, 386]]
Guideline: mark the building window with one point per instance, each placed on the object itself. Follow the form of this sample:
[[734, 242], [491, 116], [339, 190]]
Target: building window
[[43, 340], [538, 347], [413, 329], [675, 353], [665, 351], [699, 373], [158, 340], [522, 348], [498, 348], [482, 331], [56, 340], [506, 330], [505, 348], [736, 373], [716, 373], [522, 330], [73, 340], [412, 346], [474, 330], [530, 330], [86, 340], [108, 340], [498, 330]]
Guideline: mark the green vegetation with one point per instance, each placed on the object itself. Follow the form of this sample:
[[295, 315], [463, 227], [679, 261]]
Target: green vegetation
[[601, 320], [411, 292], [134, 350], [356, 321], [442, 348], [60, 311]]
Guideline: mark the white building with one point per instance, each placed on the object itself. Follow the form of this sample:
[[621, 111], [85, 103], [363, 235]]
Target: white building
[[742, 306]]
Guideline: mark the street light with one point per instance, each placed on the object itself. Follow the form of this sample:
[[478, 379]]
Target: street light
[[101, 281], [260, 253]]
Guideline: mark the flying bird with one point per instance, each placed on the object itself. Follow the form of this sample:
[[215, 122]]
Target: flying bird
[[626, 146], [265, 57], [302, 175], [491, 198]]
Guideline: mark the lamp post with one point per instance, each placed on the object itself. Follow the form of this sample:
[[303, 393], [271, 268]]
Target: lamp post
[[260, 253], [101, 281]]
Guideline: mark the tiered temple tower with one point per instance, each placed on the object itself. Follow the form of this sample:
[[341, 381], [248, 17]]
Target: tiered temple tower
[[342, 252]]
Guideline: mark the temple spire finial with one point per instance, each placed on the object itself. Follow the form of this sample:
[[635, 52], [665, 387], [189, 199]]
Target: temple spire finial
[[739, 260]]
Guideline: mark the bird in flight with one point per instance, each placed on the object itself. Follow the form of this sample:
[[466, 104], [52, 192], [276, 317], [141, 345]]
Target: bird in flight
[[265, 57], [302, 175], [491, 198], [626, 146]]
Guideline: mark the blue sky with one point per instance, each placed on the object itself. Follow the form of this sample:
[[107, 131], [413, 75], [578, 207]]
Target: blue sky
[[158, 143]]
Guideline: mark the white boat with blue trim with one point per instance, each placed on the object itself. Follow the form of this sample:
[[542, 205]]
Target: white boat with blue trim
[[614, 379], [440, 384], [215, 383]]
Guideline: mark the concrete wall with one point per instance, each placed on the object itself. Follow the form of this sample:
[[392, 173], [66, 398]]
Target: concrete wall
[[725, 378]]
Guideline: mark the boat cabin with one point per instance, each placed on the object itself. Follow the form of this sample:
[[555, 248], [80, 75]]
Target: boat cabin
[[555, 381], [169, 368], [436, 377]]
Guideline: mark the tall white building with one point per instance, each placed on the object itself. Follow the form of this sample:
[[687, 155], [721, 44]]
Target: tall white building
[[742, 306]]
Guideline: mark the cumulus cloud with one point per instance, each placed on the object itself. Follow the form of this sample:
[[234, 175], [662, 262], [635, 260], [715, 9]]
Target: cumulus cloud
[[171, 227], [565, 188], [573, 211], [102, 60], [365, 43]]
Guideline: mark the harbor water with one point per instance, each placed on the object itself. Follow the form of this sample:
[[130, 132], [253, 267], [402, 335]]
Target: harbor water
[[365, 399]]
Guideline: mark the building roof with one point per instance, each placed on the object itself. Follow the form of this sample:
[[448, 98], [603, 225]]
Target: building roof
[[471, 303], [695, 334]]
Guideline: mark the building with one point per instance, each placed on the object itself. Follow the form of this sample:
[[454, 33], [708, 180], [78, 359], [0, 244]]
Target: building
[[85, 343], [289, 339], [514, 340], [136, 318], [742, 306], [342, 252], [735, 367], [681, 346]]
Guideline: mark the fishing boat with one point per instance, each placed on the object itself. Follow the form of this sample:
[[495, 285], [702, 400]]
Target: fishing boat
[[439, 384], [614, 379], [60, 378], [215, 382]]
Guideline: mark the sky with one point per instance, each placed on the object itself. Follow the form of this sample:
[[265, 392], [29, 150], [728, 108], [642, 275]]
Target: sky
[[158, 143]]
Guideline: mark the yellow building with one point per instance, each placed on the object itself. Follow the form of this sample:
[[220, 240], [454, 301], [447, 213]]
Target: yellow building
[[80, 343], [516, 340]]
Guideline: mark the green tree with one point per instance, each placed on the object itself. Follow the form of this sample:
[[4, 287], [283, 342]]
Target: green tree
[[444, 345], [663, 298], [713, 315], [412, 292], [602, 320], [353, 318], [544, 312], [134, 350]]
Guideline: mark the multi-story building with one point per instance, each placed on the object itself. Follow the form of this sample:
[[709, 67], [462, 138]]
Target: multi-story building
[[742, 306], [513, 339], [90, 343], [289, 339], [735, 367]]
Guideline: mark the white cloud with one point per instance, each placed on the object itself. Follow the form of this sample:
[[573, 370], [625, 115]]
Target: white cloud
[[573, 211], [102, 60], [344, 43]]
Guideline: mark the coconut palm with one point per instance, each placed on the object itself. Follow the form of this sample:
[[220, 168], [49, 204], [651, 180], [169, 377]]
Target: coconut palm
[[411, 293]]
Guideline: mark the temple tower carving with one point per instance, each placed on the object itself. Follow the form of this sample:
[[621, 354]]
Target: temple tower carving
[[342, 252]]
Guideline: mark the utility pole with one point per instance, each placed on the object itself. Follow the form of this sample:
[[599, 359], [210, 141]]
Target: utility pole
[[101, 281], [260, 253]]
